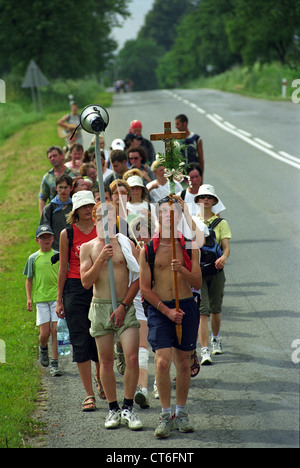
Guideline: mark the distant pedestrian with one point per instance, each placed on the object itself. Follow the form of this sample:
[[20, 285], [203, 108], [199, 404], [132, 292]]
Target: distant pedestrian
[[194, 150]]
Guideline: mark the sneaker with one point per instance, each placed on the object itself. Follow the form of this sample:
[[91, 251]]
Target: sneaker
[[129, 417], [113, 419], [155, 391], [164, 427], [54, 370], [120, 361], [182, 423], [141, 398], [44, 358], [206, 359], [216, 345]]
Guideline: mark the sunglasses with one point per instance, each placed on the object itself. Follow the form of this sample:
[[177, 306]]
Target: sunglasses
[[209, 197]]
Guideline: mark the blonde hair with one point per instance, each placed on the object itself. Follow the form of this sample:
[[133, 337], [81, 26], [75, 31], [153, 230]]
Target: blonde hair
[[119, 183], [132, 172], [98, 205]]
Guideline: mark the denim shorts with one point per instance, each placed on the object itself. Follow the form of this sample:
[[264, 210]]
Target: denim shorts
[[162, 331]]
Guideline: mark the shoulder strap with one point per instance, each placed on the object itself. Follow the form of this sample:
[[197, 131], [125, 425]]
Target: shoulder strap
[[150, 258], [183, 193], [215, 223]]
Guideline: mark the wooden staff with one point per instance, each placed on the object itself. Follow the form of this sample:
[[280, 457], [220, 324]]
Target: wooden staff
[[167, 138]]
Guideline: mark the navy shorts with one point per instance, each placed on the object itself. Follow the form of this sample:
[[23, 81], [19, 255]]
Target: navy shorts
[[162, 331]]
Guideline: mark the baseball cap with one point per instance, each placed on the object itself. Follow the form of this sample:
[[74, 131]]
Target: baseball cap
[[118, 144], [43, 229]]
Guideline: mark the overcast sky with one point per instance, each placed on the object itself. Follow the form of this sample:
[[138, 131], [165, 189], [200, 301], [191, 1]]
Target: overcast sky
[[131, 26]]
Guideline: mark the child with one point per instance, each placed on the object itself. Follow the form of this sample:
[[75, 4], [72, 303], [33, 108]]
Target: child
[[41, 289]]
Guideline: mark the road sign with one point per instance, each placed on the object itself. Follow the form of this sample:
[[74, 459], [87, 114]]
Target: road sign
[[34, 79]]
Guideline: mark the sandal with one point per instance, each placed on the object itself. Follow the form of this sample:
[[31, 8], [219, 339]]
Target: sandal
[[89, 404], [195, 366], [100, 388]]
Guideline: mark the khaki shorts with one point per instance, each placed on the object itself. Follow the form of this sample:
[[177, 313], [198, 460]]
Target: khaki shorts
[[99, 315]]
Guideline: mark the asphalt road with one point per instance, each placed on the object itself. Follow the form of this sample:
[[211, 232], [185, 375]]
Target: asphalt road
[[249, 397]]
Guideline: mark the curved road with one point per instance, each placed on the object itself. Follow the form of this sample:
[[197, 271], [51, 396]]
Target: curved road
[[249, 397]]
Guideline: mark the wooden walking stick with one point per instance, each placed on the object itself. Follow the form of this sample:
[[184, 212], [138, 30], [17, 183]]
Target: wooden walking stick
[[174, 164]]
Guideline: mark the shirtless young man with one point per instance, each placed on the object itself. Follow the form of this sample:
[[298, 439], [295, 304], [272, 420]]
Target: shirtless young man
[[105, 321], [162, 316]]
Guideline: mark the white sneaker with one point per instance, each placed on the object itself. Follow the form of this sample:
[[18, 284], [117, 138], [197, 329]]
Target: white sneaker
[[113, 419], [141, 398], [129, 417], [206, 359], [216, 345], [155, 391]]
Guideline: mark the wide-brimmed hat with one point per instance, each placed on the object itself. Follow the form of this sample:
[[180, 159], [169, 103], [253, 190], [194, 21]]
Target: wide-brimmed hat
[[135, 181], [43, 229], [206, 189], [82, 198]]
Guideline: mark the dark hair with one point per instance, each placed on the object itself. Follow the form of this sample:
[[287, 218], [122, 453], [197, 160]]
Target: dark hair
[[54, 147], [140, 150], [194, 166], [117, 156], [182, 118], [64, 178]]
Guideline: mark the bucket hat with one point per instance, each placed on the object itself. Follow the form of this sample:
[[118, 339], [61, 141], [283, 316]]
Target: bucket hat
[[206, 189], [81, 198]]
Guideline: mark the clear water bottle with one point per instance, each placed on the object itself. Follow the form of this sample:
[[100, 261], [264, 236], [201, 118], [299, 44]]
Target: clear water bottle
[[63, 338]]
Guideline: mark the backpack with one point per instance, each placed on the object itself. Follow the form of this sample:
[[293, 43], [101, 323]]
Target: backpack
[[70, 234], [150, 258], [211, 251]]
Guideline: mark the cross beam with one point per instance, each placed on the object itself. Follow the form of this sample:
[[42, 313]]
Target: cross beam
[[167, 136]]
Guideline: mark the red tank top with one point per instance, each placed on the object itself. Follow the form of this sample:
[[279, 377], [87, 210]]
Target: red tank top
[[79, 238]]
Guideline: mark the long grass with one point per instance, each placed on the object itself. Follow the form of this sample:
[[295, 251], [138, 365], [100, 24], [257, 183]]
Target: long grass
[[23, 162], [262, 81]]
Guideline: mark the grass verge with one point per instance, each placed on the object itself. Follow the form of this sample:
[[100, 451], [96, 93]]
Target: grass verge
[[22, 164]]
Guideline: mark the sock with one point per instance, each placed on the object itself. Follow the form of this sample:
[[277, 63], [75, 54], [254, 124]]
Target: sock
[[145, 390], [127, 403], [179, 408], [113, 406], [44, 349], [167, 410]]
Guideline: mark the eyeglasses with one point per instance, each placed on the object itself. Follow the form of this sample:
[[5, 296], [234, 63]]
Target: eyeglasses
[[202, 197]]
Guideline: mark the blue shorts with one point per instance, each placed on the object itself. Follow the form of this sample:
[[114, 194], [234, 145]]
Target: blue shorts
[[162, 331]]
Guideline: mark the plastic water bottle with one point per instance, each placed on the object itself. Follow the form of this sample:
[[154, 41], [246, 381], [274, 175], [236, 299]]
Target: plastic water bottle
[[63, 338]]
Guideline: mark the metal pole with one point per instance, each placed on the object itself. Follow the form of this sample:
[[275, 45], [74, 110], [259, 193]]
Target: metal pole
[[105, 221]]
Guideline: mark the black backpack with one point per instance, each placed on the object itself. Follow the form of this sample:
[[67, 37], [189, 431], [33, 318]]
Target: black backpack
[[70, 234], [211, 251]]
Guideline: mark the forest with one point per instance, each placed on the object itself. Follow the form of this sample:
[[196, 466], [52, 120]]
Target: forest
[[179, 40]]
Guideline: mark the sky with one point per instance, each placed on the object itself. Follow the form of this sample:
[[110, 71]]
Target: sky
[[131, 26]]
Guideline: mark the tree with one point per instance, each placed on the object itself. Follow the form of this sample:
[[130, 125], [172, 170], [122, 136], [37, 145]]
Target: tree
[[66, 39], [161, 22], [137, 62], [201, 40], [263, 29]]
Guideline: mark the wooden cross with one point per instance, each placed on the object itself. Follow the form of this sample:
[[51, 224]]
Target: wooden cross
[[167, 138]]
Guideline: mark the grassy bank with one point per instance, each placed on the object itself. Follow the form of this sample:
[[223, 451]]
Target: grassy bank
[[261, 81], [22, 164]]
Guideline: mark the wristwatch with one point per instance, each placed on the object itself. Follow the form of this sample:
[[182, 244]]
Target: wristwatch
[[126, 307]]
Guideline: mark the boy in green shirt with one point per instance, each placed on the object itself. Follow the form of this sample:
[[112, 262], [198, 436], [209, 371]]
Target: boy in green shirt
[[41, 289]]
